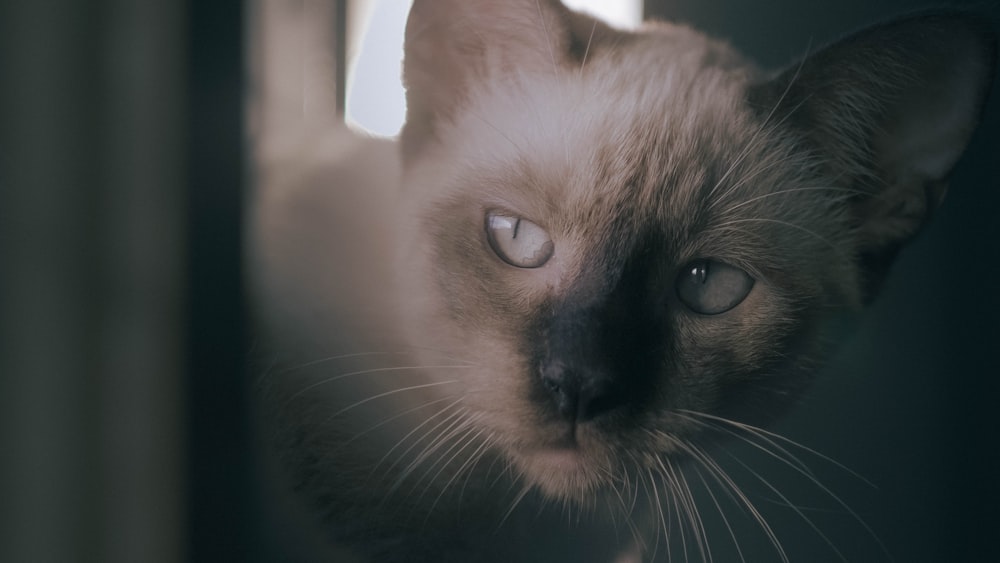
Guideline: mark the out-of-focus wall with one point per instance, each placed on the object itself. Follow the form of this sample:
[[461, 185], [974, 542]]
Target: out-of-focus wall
[[92, 237]]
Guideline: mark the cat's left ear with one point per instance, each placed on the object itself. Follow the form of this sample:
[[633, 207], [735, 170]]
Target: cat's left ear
[[891, 109]]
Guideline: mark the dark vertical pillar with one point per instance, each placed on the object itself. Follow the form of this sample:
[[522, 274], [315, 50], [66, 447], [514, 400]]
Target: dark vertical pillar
[[220, 462]]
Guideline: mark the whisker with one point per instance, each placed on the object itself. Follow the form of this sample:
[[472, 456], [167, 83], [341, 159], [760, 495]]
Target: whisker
[[268, 371], [486, 447], [506, 468], [661, 519], [721, 477], [468, 437], [789, 458], [394, 417], [687, 498], [793, 190], [411, 432], [759, 131], [328, 359], [722, 513], [780, 453], [316, 384], [674, 489], [763, 432], [546, 37], [635, 487], [435, 444], [491, 125], [626, 512], [517, 500], [836, 498], [406, 350], [801, 514], [810, 232], [586, 51], [469, 463], [386, 394], [756, 171]]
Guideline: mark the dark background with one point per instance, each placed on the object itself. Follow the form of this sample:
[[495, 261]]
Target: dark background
[[122, 340]]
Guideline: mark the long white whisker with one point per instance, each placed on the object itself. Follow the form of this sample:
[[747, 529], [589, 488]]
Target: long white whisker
[[467, 438], [675, 501], [327, 359], [691, 507], [759, 169], [394, 417], [497, 130], [794, 190], [810, 232], [626, 513], [759, 131], [786, 456], [386, 394], [661, 522], [435, 444], [513, 505], [800, 467], [402, 440], [479, 454], [305, 389], [726, 481], [722, 513], [469, 465], [586, 51], [547, 38], [791, 505], [763, 432]]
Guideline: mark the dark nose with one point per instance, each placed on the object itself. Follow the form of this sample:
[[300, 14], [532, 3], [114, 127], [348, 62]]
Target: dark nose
[[579, 394]]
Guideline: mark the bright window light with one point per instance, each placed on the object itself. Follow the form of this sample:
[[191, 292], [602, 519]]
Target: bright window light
[[376, 102], [625, 14]]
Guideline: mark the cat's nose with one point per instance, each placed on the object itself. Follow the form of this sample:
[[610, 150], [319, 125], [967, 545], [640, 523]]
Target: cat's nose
[[579, 394]]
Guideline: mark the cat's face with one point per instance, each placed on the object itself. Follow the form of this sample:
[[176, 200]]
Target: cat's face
[[628, 239]]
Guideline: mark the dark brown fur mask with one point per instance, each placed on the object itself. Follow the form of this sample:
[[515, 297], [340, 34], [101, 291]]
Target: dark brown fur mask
[[612, 244], [629, 233]]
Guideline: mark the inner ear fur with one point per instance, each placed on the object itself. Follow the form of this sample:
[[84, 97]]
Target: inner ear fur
[[890, 110]]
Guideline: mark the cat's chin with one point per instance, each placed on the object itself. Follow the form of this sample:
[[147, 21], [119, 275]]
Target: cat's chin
[[563, 471]]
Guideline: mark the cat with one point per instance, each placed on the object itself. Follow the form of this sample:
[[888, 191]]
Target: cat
[[591, 252]]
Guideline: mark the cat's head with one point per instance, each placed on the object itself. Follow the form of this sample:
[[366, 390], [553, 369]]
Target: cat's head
[[630, 233]]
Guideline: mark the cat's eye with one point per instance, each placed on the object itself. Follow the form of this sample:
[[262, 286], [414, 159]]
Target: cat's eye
[[711, 287], [517, 241]]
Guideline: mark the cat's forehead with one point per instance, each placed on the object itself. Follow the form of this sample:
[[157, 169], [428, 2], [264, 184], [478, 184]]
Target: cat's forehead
[[643, 124]]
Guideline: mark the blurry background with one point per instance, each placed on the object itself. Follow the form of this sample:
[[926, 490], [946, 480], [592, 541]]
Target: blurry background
[[123, 413]]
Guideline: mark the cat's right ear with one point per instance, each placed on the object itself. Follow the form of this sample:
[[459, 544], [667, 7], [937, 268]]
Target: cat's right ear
[[452, 46], [889, 110]]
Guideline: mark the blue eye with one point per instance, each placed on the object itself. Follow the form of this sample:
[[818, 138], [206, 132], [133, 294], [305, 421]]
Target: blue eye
[[710, 287], [517, 241]]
